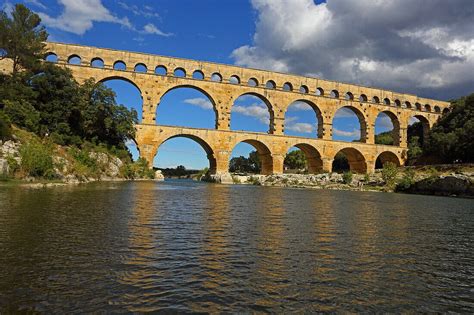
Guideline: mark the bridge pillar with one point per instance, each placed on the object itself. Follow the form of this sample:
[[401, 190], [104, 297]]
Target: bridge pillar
[[222, 161], [278, 125], [368, 133], [327, 165], [370, 166], [148, 152], [327, 131], [278, 161]]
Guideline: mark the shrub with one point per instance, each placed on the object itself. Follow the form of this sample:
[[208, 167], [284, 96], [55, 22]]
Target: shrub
[[36, 159], [389, 174], [23, 114], [137, 169], [347, 177], [407, 180], [5, 127]]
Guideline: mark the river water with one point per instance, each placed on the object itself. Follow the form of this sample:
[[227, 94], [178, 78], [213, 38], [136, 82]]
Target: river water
[[193, 247]]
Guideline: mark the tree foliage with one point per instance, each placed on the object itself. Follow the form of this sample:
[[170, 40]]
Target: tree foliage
[[295, 160], [241, 164], [22, 38], [385, 138]]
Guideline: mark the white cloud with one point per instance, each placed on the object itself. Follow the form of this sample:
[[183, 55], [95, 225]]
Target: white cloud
[[300, 127], [384, 43], [199, 102], [79, 16], [152, 29], [384, 121], [145, 11], [298, 105], [8, 8], [343, 133], [257, 111], [345, 112], [36, 3]]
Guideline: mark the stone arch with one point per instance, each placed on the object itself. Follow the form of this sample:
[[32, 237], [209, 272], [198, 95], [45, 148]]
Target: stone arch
[[397, 103], [206, 147], [446, 111], [385, 157], [234, 79], [97, 62], [130, 144], [270, 84], [360, 117], [376, 100], [314, 161], [252, 82], [349, 96], [317, 111], [51, 57], [395, 123], [216, 77], [418, 106], [437, 109], [386, 101], [264, 155], [118, 77], [363, 98], [189, 86], [120, 65], [425, 127], [74, 59], [287, 87], [427, 108], [140, 67], [407, 104], [334, 94], [198, 75], [179, 72], [304, 89], [130, 94], [266, 102], [320, 91], [161, 70], [356, 160]]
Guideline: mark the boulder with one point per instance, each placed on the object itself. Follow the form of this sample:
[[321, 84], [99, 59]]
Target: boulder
[[159, 176], [4, 167]]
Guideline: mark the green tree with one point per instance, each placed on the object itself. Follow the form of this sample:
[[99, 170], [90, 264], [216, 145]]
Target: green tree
[[22, 38], [340, 163], [414, 149], [452, 138], [295, 159], [251, 164], [389, 174], [385, 138]]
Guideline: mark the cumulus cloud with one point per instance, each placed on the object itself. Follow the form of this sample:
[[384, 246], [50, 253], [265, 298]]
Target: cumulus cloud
[[300, 127], [79, 16], [257, 111], [199, 102], [424, 47], [354, 133]]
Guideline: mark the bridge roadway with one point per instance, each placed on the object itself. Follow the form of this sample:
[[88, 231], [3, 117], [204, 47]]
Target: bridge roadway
[[155, 75]]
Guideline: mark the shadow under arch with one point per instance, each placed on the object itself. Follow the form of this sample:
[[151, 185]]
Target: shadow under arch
[[356, 160], [425, 128], [267, 103], [264, 155], [360, 117], [133, 148], [395, 123], [317, 111], [204, 145], [314, 161], [386, 157], [196, 88]]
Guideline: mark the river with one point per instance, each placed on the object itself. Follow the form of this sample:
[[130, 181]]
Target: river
[[193, 247]]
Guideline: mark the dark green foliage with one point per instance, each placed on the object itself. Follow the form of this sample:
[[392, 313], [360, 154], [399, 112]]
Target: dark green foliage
[[242, 164], [407, 180], [138, 169], [340, 163], [385, 138], [5, 128], [36, 159], [347, 177], [22, 114], [452, 137], [414, 149], [389, 174], [22, 38], [295, 160], [416, 130]]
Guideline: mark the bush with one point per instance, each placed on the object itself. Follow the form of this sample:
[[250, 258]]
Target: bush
[[389, 174], [22, 114], [407, 180], [347, 177], [137, 169], [36, 159], [5, 127]]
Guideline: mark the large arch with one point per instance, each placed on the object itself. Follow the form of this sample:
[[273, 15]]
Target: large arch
[[356, 160], [360, 117], [317, 111], [264, 100], [386, 157], [204, 145], [425, 128], [264, 155], [197, 101], [124, 95], [314, 162], [395, 126]]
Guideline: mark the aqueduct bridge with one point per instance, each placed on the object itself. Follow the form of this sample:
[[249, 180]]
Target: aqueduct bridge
[[225, 83]]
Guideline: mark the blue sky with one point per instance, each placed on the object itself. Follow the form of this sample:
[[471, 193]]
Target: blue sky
[[232, 32]]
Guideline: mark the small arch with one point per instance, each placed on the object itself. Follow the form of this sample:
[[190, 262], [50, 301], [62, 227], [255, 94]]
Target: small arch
[[264, 155], [287, 87], [202, 143], [334, 94], [179, 73], [408, 104], [74, 60], [51, 57], [363, 98], [386, 101], [375, 100], [120, 65], [314, 162], [198, 75], [161, 70], [427, 107], [97, 63], [320, 91], [234, 79], [349, 96], [355, 159], [446, 111], [397, 103], [437, 109], [304, 89], [140, 67], [270, 85], [216, 77], [252, 82], [418, 106], [386, 157]]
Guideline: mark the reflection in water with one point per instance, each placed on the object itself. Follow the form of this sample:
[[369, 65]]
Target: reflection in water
[[185, 246]]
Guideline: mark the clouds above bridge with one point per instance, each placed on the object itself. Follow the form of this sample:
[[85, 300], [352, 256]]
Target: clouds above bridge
[[424, 46]]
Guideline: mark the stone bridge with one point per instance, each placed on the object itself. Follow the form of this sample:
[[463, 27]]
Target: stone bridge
[[156, 75]]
